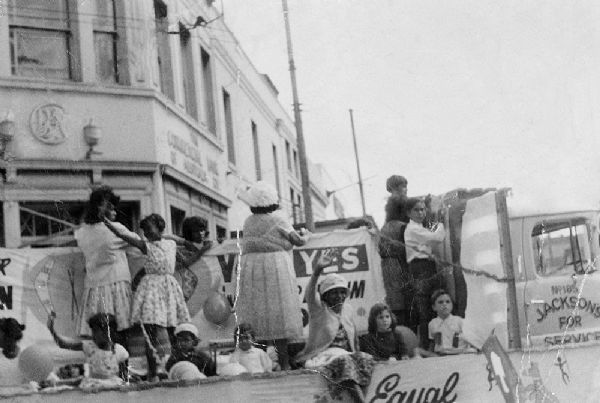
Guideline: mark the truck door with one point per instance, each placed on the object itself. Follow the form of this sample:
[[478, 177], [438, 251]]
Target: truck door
[[560, 290]]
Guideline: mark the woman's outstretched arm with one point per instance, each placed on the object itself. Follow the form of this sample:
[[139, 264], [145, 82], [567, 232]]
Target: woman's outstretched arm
[[138, 243]]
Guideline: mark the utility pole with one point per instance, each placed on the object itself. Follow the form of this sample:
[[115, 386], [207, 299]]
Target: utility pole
[[360, 182], [308, 215]]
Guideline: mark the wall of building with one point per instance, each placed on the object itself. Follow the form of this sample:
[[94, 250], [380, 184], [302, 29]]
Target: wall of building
[[164, 147]]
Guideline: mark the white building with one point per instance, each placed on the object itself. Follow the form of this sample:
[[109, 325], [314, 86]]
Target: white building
[[184, 118]]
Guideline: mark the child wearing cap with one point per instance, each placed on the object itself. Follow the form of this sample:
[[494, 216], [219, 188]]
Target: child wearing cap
[[253, 359], [332, 344], [185, 349]]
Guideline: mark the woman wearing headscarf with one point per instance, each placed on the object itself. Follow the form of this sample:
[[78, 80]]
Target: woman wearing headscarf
[[268, 292]]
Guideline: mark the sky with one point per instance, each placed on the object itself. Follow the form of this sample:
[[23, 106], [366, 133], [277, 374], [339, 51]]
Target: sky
[[470, 93]]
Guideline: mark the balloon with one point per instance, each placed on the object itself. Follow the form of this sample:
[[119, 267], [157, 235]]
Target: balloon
[[204, 276], [216, 308], [36, 362], [185, 371], [233, 369], [409, 338]]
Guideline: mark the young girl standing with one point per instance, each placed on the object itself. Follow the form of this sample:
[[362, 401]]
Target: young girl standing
[[107, 285], [158, 303], [106, 360], [384, 341], [421, 266]]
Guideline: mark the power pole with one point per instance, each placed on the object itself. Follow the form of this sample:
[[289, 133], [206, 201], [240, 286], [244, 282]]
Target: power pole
[[360, 182], [308, 215]]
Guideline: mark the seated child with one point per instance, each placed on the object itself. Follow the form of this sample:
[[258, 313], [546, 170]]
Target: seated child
[[185, 349], [384, 341], [253, 359], [446, 330], [332, 344], [106, 360]]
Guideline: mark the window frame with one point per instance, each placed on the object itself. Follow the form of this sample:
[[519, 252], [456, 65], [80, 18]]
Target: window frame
[[576, 255], [103, 28]]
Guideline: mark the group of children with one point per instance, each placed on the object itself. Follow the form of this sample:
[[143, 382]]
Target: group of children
[[159, 306]]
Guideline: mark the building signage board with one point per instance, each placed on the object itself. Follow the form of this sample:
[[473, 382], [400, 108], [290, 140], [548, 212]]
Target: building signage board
[[189, 159]]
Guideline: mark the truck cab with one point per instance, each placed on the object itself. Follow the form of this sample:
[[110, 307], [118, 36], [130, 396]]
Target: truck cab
[[556, 279]]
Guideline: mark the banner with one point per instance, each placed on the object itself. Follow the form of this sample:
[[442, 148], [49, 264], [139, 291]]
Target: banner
[[35, 282], [481, 251], [359, 263]]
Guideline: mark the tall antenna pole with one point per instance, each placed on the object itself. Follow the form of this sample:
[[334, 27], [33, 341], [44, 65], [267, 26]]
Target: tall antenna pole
[[360, 182], [308, 215]]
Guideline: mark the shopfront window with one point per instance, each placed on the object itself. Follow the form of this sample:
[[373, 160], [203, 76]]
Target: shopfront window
[[561, 248]]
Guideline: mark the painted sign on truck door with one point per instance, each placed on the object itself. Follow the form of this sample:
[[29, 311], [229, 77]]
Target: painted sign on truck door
[[559, 293]]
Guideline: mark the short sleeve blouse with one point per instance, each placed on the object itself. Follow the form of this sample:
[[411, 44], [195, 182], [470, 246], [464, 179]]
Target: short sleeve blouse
[[266, 233], [104, 364]]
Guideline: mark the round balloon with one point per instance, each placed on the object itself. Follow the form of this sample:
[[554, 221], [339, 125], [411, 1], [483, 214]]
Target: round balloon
[[410, 339], [216, 308], [233, 369], [36, 362]]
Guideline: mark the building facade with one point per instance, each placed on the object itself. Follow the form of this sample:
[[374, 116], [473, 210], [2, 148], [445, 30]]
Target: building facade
[[154, 98]]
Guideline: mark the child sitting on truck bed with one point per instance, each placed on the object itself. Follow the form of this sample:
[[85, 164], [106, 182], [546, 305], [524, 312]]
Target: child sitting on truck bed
[[445, 331], [186, 349]]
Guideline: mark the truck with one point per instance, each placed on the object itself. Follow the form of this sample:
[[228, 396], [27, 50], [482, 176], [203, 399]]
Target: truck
[[524, 275]]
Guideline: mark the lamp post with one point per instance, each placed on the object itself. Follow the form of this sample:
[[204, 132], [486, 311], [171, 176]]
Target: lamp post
[[310, 225]]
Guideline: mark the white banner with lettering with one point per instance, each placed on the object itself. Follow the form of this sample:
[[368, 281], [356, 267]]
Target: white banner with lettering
[[359, 263]]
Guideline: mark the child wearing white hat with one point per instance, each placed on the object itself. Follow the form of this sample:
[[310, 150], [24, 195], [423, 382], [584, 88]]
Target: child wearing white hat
[[186, 349]]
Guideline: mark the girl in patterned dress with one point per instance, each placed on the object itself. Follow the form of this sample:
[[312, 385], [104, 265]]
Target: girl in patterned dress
[[194, 232], [106, 361], [158, 304]]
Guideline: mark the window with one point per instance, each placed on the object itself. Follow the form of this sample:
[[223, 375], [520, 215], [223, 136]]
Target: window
[[165, 71], [39, 39], [208, 91], [177, 217], [187, 74], [276, 170], [229, 127], [300, 209], [221, 233], [256, 150], [105, 41], [296, 167], [50, 223], [561, 248], [288, 156], [293, 206]]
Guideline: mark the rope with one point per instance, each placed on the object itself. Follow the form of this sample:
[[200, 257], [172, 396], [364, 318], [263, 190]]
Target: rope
[[449, 265]]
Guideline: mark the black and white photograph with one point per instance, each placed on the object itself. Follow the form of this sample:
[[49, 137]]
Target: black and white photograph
[[311, 201]]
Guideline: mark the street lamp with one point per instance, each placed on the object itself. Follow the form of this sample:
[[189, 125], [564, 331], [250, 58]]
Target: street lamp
[[92, 135]]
